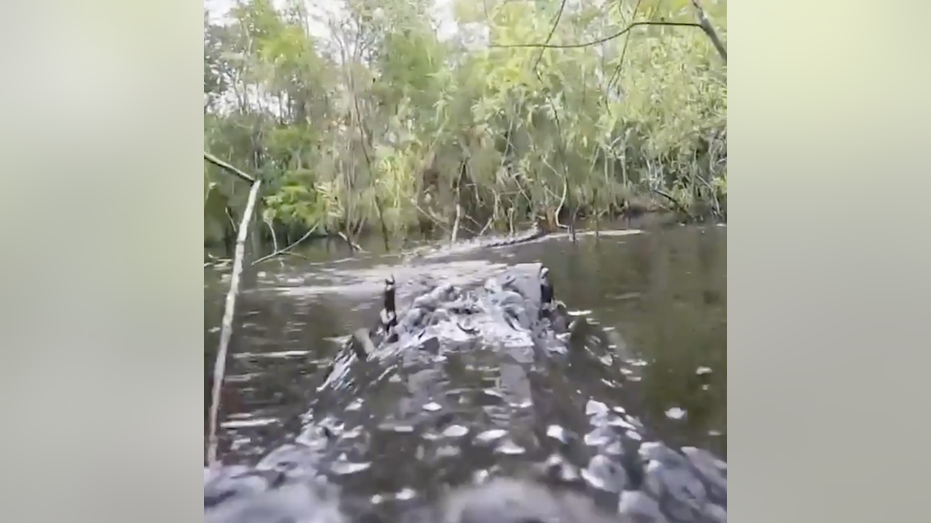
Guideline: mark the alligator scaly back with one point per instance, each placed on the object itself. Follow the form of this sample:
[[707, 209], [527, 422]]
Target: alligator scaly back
[[453, 342]]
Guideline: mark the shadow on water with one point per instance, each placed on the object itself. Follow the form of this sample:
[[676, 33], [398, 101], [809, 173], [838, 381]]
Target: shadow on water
[[661, 296]]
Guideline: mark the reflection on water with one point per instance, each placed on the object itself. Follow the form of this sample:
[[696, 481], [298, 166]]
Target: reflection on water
[[660, 296]]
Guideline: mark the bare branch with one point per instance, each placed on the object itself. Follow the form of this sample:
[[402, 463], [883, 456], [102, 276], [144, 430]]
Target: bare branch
[[487, 225], [562, 5], [600, 40], [436, 221], [706, 26], [226, 331], [352, 245], [288, 248], [679, 205], [620, 64], [229, 168]]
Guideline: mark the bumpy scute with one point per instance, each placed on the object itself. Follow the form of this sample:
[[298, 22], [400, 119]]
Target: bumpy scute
[[651, 482]]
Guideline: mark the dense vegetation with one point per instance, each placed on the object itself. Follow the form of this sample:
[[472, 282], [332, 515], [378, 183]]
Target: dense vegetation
[[379, 124]]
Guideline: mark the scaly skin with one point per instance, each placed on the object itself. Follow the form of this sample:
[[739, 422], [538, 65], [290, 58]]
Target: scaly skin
[[498, 326]]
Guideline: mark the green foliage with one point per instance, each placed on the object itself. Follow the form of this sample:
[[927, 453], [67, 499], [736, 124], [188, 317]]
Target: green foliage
[[382, 120]]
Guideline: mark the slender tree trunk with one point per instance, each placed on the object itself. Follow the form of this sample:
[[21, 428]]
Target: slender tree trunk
[[226, 330]]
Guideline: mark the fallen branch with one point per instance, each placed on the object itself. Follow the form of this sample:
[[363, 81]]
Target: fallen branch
[[436, 221], [226, 330], [487, 225], [229, 168], [675, 202], [286, 249], [471, 219], [352, 245]]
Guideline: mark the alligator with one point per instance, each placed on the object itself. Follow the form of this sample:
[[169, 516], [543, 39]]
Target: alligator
[[256, 496], [516, 308], [478, 377], [539, 228]]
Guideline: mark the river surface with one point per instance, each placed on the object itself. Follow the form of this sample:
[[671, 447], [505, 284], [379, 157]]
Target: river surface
[[662, 292]]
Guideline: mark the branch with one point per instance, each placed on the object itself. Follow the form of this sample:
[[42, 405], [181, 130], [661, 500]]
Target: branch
[[705, 25], [229, 168], [274, 236], [288, 248], [352, 245], [674, 201], [485, 228], [431, 216], [226, 331], [562, 5], [600, 40], [620, 64]]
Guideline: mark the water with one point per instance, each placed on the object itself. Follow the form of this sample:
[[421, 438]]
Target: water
[[662, 295]]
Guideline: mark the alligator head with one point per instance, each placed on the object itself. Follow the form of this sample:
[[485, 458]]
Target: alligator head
[[513, 309]]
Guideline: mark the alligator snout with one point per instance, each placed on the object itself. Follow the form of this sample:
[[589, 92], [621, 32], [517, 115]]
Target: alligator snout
[[505, 310]]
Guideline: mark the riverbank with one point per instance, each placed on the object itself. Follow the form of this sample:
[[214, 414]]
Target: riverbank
[[646, 215]]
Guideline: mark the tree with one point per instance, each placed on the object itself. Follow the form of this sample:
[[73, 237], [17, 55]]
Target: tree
[[379, 123]]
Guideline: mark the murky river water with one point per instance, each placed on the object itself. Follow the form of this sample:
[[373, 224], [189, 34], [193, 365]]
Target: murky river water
[[662, 293]]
